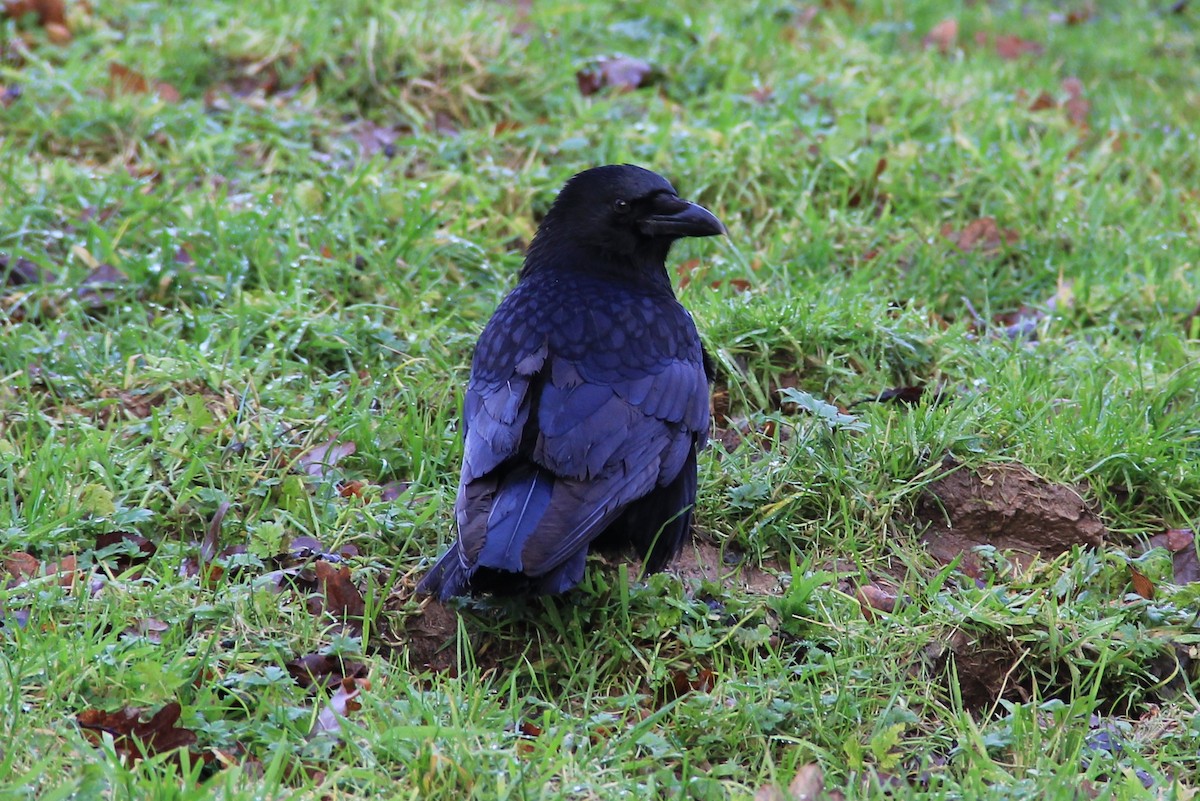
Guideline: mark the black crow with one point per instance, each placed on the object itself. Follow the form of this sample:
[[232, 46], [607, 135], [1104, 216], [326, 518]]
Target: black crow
[[588, 397]]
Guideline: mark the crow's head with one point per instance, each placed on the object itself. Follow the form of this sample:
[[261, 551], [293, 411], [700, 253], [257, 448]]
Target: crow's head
[[621, 212]]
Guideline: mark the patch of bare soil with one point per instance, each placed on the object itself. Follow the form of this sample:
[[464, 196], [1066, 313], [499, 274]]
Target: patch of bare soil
[[1009, 508], [985, 668], [704, 561], [431, 638]]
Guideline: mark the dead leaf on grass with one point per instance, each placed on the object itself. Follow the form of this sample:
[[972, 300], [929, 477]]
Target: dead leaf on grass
[[1181, 542], [983, 235], [682, 682], [324, 671], [51, 15], [135, 739], [373, 139], [872, 597], [341, 705], [339, 597], [24, 567], [1011, 48], [620, 73], [149, 628], [212, 535], [99, 287], [1142, 585], [1077, 106], [943, 36], [126, 81], [22, 272], [135, 549], [319, 461]]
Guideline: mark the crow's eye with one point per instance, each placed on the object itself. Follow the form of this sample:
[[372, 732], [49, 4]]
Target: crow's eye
[[621, 206]]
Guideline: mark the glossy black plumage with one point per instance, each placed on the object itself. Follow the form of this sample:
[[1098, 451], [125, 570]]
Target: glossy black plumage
[[588, 397]]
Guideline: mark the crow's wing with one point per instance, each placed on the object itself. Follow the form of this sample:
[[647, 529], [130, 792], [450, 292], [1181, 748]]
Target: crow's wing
[[573, 412]]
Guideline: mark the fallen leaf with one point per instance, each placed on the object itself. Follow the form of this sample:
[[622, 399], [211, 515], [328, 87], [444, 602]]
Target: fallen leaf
[[1011, 48], [97, 289], [149, 628], [22, 566], [49, 12], [1078, 108], [621, 73], [393, 490], [373, 139], [57, 34], [20, 272], [212, 536], [340, 705], [808, 784], [769, 792], [1043, 101], [1141, 585], [325, 671], [126, 81], [1080, 14], [984, 235], [680, 684], [135, 549], [318, 462], [1181, 542], [762, 95], [341, 598], [943, 36], [134, 739], [871, 597]]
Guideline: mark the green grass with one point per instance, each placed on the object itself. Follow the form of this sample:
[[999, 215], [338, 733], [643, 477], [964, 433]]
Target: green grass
[[285, 284]]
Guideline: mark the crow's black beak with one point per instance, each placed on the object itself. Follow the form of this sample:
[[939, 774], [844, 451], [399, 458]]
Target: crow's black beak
[[674, 217]]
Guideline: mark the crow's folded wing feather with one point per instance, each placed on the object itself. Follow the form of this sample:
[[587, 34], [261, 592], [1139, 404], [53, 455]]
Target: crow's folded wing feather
[[563, 430]]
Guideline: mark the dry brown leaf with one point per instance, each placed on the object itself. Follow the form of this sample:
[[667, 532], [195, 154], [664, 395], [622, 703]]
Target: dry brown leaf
[[342, 598], [984, 235], [808, 784], [871, 597], [318, 461], [134, 739], [142, 547], [127, 81], [680, 685], [212, 535], [1078, 108], [1181, 542], [21, 565], [324, 670], [1141, 584], [621, 73], [943, 36], [49, 12], [340, 705], [1011, 48], [1043, 101]]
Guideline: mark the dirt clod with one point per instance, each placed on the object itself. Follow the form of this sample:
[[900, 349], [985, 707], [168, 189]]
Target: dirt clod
[[1009, 508]]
